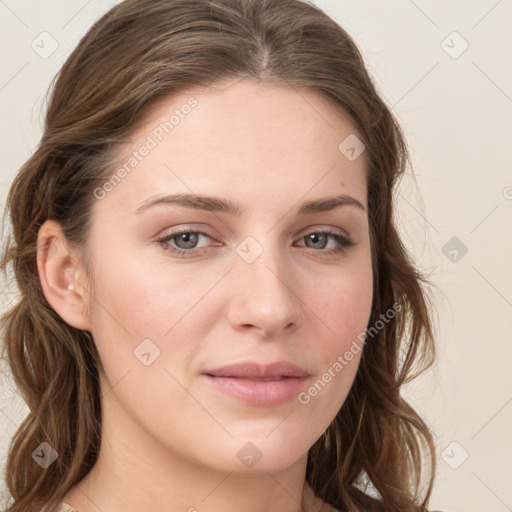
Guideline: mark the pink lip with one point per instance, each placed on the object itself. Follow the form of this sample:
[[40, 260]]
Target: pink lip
[[252, 370], [257, 384]]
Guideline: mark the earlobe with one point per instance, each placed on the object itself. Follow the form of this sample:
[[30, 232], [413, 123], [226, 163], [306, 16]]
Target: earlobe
[[62, 276]]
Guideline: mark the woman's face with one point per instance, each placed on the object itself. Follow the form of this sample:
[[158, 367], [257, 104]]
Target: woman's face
[[258, 171]]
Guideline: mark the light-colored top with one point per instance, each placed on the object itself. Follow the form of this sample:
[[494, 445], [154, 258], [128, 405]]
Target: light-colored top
[[311, 502], [64, 507]]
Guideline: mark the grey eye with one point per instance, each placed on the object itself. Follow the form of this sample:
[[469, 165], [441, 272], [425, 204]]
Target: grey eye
[[319, 240], [189, 240]]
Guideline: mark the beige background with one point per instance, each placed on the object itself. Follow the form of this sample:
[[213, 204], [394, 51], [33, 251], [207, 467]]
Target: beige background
[[455, 104]]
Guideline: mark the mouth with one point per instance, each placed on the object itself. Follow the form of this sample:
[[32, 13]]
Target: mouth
[[253, 370], [259, 385], [256, 379]]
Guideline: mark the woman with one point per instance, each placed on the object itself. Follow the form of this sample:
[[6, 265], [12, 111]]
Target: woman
[[217, 311]]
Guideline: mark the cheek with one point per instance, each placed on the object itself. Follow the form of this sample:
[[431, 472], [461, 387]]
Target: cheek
[[345, 306], [143, 298], [135, 303]]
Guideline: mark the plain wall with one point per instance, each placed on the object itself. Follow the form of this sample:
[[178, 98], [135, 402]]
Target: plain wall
[[455, 106]]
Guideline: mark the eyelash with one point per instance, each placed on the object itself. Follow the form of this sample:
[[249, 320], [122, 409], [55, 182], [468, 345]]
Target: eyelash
[[345, 243]]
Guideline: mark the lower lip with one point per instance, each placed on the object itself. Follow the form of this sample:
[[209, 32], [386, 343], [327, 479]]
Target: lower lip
[[258, 392]]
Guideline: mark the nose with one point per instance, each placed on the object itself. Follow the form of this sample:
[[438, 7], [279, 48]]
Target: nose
[[264, 296]]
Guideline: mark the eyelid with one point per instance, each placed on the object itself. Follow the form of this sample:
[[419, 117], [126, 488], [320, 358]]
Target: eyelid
[[186, 229], [322, 227]]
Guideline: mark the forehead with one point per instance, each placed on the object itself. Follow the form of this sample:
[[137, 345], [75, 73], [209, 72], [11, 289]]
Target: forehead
[[259, 140]]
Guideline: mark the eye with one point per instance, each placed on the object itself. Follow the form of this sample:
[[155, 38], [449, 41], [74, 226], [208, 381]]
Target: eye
[[183, 243], [320, 239], [185, 240]]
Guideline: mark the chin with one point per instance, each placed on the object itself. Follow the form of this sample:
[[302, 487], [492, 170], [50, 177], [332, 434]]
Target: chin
[[259, 454]]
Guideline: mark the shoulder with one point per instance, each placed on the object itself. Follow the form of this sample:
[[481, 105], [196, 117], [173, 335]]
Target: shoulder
[[64, 507]]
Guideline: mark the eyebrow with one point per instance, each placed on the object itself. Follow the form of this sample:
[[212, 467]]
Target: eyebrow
[[217, 204]]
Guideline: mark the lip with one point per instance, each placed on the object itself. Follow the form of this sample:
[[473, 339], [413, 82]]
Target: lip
[[259, 384], [254, 370]]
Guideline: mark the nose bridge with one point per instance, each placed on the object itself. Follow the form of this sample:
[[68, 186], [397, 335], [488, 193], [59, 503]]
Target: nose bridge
[[264, 283]]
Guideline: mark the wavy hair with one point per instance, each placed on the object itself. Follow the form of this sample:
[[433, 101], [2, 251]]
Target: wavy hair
[[138, 52]]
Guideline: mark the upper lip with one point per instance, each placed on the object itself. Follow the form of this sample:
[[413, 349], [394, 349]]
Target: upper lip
[[251, 369]]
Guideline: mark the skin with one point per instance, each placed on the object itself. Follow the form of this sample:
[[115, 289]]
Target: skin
[[169, 440]]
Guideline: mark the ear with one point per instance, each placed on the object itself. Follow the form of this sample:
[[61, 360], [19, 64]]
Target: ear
[[62, 276]]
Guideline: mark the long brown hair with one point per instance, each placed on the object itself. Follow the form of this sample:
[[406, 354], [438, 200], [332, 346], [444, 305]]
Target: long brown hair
[[138, 52]]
